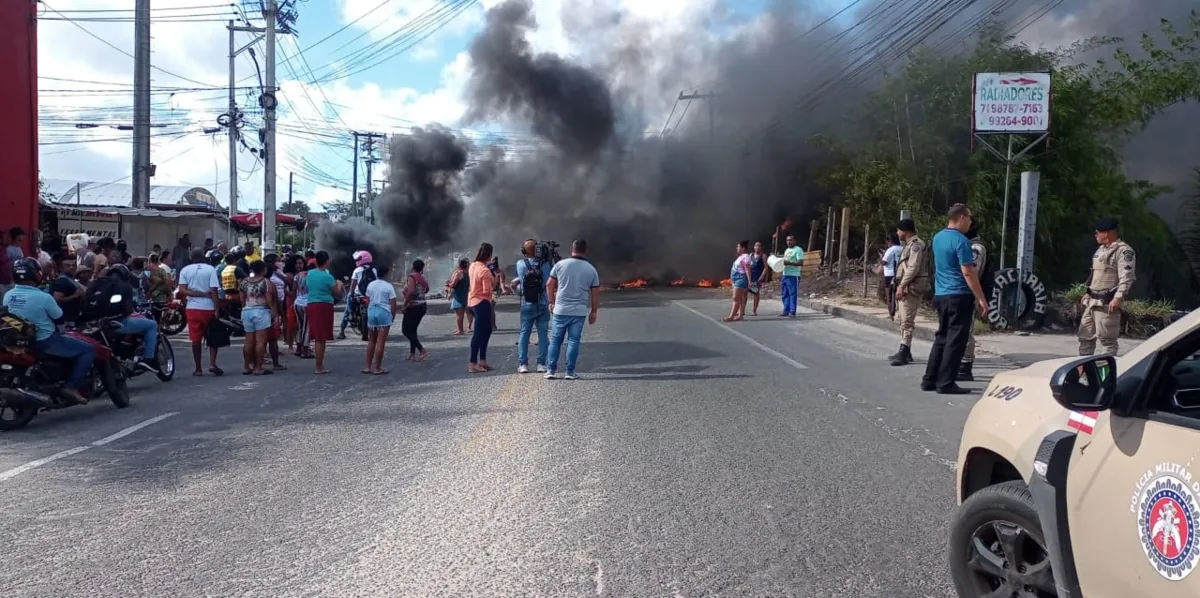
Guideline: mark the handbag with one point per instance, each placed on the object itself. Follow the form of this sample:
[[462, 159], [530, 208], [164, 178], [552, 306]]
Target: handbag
[[218, 334]]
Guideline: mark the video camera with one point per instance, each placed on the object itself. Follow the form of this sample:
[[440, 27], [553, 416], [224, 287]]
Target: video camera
[[547, 252]]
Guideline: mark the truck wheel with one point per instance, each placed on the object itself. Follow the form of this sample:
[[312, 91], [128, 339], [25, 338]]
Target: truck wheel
[[997, 547]]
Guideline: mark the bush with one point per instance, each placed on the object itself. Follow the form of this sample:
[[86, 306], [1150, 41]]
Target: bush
[[1145, 318]]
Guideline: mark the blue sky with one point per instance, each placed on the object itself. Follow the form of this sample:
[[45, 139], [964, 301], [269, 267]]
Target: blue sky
[[85, 71]]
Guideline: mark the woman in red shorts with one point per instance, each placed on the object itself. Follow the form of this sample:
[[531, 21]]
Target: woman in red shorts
[[323, 290]]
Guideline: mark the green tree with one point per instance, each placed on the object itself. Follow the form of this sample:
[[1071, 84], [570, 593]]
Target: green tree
[[913, 149]]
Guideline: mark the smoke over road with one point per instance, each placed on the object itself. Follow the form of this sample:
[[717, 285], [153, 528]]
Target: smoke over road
[[662, 200]]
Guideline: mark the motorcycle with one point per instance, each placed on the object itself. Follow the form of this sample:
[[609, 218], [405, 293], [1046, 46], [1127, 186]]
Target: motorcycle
[[126, 348], [167, 314], [31, 383]]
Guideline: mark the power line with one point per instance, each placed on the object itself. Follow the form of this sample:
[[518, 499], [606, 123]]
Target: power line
[[106, 42]]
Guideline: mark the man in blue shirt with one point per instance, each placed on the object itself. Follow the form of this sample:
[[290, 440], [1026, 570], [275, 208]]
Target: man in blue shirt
[[956, 295], [533, 272], [40, 309]]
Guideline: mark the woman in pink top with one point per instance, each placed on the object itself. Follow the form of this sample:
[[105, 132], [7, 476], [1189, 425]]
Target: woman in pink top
[[481, 302], [739, 277]]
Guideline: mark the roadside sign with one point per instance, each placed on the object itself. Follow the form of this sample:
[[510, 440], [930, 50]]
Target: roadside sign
[[1011, 103]]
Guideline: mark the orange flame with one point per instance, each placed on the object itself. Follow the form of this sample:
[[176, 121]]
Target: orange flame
[[704, 282], [677, 283], [787, 223], [634, 284], [727, 283]]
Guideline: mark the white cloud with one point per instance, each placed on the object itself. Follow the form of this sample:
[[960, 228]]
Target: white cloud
[[198, 51]]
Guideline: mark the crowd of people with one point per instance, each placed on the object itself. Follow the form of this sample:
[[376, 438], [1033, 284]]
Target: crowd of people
[[750, 271], [287, 300]]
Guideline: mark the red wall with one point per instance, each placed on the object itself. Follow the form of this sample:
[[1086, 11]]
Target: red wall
[[18, 102]]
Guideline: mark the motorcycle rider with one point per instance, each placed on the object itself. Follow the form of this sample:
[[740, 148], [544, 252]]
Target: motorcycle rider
[[121, 255], [38, 308], [119, 281], [363, 270]]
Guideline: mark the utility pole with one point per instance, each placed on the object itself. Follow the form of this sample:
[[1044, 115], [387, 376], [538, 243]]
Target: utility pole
[[271, 9], [291, 184], [710, 96], [141, 104], [354, 185], [231, 121], [369, 160], [233, 118]]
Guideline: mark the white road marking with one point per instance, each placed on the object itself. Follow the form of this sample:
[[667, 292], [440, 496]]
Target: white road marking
[[16, 471], [745, 337], [133, 428]]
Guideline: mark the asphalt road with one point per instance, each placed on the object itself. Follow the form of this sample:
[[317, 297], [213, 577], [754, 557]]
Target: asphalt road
[[766, 458]]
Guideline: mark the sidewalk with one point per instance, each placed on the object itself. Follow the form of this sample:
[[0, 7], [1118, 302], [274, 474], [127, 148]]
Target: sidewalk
[[1017, 348]]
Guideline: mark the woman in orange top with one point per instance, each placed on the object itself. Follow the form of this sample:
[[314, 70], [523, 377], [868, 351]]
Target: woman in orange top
[[481, 302]]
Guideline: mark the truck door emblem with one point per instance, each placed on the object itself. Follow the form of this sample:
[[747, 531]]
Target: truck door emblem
[[1167, 519]]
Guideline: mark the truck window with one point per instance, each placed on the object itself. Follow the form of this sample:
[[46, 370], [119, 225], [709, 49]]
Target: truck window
[[1179, 392]]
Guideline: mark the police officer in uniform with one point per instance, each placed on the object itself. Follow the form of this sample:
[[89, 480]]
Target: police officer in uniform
[[912, 283], [977, 248], [1114, 267]]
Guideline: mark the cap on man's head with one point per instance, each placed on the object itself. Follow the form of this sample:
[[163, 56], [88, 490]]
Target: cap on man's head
[[907, 225], [1106, 224]]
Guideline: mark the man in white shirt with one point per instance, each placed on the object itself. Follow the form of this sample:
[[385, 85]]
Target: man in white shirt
[[891, 259], [574, 292], [198, 285]]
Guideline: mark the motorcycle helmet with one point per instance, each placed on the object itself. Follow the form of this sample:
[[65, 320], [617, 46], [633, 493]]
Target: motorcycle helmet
[[122, 245], [121, 272], [271, 258], [27, 270], [287, 249], [213, 257], [362, 258]]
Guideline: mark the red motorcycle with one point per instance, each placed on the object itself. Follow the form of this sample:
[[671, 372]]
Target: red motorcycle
[[32, 383], [126, 348]]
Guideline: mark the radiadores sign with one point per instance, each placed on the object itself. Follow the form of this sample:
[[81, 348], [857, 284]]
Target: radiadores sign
[[1011, 102]]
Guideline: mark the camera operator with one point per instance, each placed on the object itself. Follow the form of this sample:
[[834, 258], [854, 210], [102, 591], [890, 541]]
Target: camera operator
[[533, 271]]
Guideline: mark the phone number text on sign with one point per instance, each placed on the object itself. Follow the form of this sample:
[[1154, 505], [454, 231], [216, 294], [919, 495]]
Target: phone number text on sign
[[1012, 102]]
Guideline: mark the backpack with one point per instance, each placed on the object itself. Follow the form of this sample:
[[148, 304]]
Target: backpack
[[97, 300], [533, 284], [369, 275], [16, 331]]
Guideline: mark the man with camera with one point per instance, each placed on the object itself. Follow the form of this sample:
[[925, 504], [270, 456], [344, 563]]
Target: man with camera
[[533, 272]]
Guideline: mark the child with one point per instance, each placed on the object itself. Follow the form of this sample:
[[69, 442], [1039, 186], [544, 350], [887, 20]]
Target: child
[[381, 310]]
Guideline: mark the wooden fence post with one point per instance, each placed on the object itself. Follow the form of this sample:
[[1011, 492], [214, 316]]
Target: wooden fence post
[[866, 248], [843, 242]]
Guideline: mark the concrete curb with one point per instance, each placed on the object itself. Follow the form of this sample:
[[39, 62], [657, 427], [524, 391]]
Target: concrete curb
[[922, 333]]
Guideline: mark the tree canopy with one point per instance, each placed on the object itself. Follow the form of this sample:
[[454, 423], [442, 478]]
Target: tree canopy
[[911, 147]]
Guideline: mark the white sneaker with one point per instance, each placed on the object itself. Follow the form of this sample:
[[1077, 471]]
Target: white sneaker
[[522, 369], [541, 369], [571, 376], [551, 376]]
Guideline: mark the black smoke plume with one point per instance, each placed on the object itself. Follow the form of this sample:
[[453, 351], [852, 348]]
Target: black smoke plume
[[563, 102], [342, 239], [657, 200], [420, 208], [422, 203]]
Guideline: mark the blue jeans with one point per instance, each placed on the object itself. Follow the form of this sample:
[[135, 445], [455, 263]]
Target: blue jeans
[[351, 303], [531, 314], [790, 287], [80, 353], [145, 328], [572, 328]]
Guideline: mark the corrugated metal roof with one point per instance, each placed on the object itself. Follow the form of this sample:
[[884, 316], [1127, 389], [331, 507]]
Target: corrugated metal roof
[[120, 195]]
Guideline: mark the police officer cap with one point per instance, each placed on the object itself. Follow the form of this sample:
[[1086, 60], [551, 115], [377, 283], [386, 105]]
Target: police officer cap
[[1106, 224], [907, 225]]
